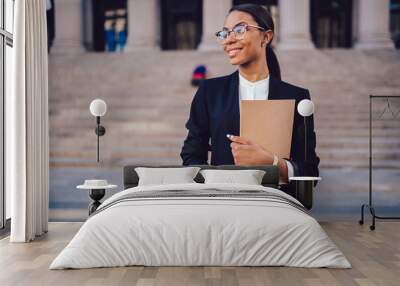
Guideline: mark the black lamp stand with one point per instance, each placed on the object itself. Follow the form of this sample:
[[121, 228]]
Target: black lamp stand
[[305, 138], [100, 131], [96, 195]]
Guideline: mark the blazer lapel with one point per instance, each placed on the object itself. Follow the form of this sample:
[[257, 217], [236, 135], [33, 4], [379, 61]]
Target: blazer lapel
[[273, 92], [234, 126]]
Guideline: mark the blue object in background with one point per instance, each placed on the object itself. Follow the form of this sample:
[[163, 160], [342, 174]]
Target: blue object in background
[[122, 40], [110, 40], [199, 74], [200, 69]]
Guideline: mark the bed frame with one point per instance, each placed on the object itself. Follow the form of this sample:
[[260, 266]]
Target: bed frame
[[270, 179]]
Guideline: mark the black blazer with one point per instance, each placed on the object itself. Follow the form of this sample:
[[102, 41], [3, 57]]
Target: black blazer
[[215, 112]]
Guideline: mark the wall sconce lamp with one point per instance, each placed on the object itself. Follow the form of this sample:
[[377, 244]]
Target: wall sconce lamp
[[98, 108], [305, 109]]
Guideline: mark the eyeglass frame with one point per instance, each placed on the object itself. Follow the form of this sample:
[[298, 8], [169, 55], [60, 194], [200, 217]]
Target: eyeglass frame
[[232, 31]]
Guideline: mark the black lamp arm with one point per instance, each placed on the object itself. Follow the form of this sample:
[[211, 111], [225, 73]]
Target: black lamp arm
[[305, 138], [100, 131]]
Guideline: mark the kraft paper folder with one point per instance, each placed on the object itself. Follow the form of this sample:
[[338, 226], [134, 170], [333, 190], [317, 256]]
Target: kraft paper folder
[[268, 123]]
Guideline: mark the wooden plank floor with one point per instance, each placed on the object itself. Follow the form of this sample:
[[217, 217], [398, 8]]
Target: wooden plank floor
[[375, 257]]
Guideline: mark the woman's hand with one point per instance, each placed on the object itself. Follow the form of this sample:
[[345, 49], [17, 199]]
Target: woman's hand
[[246, 152]]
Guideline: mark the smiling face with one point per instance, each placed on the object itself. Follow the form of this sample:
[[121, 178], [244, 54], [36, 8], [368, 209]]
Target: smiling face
[[248, 49]]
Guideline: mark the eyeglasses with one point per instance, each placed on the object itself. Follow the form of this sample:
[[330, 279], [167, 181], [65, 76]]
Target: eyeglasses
[[239, 31]]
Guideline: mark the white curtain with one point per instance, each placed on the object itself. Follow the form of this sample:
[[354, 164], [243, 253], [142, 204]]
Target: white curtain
[[27, 141]]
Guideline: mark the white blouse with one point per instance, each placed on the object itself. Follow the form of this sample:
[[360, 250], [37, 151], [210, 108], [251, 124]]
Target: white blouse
[[258, 90]]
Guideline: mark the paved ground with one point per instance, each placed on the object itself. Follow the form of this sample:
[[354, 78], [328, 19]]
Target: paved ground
[[148, 96]]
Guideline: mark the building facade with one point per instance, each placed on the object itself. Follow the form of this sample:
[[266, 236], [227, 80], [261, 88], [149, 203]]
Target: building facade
[[88, 25]]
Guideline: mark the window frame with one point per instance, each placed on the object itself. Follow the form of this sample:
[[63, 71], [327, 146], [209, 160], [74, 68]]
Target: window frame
[[6, 39]]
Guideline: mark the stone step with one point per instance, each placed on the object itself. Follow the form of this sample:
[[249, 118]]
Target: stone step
[[325, 146], [351, 154], [170, 143], [324, 155], [164, 160], [357, 133], [364, 164], [359, 143]]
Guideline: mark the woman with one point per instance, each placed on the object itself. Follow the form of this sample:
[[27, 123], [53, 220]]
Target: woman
[[246, 39]]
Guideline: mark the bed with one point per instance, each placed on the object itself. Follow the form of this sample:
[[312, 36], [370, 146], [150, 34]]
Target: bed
[[198, 224]]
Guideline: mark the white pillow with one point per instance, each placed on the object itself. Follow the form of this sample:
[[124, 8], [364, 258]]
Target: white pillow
[[249, 177], [163, 176]]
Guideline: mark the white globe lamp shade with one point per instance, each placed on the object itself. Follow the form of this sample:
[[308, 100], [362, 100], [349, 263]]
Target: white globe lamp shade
[[98, 107], [305, 107]]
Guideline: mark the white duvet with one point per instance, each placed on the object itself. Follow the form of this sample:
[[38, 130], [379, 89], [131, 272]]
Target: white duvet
[[200, 231]]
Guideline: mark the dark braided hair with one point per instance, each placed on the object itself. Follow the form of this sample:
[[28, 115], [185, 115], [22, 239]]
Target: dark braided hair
[[264, 20]]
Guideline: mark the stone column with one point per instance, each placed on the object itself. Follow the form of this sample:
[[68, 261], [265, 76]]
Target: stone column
[[68, 27], [214, 13], [143, 22], [373, 25], [294, 32]]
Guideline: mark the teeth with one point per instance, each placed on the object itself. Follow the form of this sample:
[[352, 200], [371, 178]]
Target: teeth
[[233, 52]]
